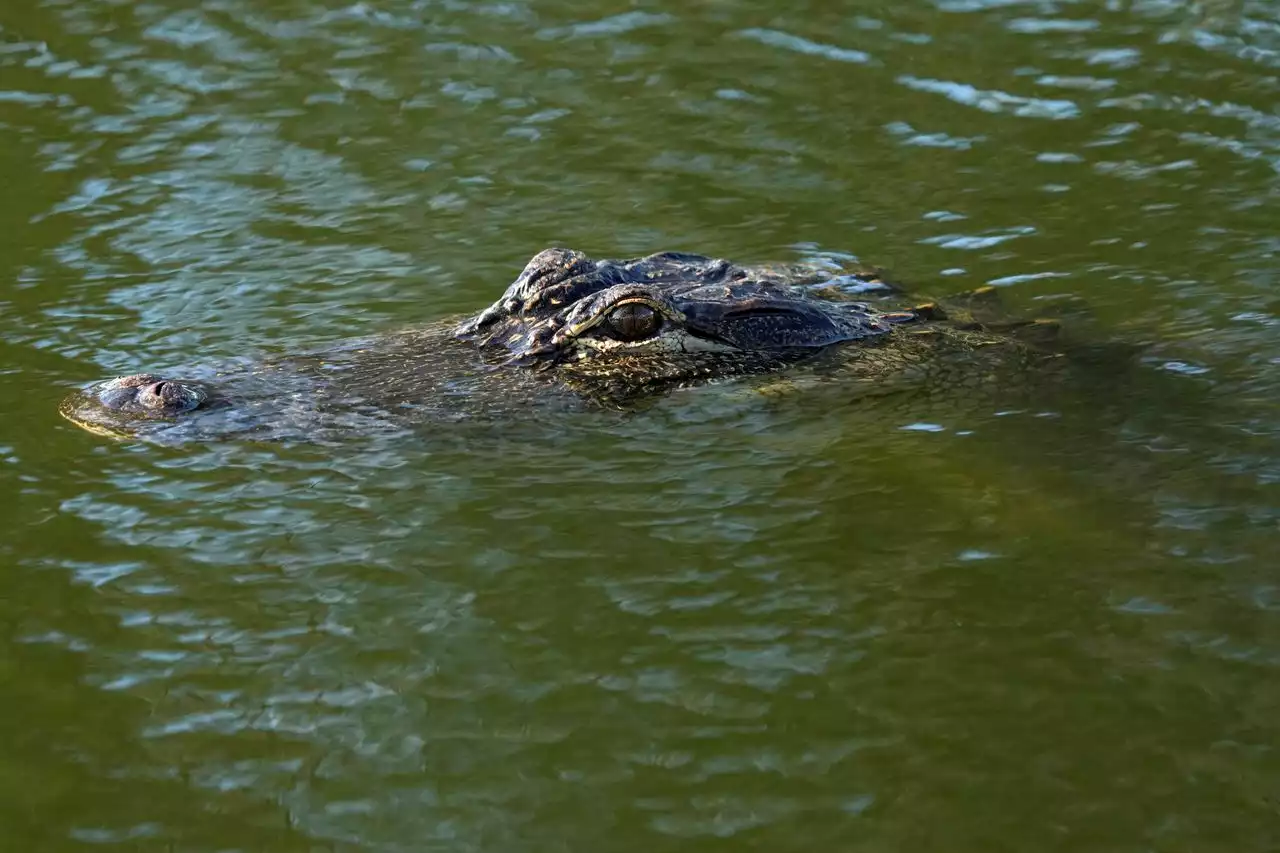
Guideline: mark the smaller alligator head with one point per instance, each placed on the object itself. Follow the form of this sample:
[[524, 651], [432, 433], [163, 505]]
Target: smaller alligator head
[[659, 317]]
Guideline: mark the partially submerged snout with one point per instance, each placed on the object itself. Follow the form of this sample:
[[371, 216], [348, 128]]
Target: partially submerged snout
[[110, 407], [147, 395]]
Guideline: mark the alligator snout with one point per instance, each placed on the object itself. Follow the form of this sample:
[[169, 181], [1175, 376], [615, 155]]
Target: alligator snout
[[147, 394]]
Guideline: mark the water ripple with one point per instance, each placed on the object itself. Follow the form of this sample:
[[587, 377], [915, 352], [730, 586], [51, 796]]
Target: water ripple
[[610, 26], [776, 38], [994, 101]]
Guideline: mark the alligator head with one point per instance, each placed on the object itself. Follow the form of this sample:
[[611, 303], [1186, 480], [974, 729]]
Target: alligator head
[[611, 331]]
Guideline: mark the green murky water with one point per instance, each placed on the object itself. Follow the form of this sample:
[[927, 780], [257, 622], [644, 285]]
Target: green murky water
[[780, 625]]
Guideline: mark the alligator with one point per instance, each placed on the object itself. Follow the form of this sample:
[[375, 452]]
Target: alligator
[[604, 333]]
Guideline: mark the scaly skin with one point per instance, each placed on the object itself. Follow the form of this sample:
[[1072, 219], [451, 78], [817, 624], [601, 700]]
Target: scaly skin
[[573, 331]]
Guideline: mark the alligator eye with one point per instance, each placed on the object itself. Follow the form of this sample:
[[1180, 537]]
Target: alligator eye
[[633, 321]]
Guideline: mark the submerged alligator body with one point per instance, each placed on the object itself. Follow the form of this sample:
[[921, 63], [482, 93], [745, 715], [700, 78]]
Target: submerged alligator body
[[576, 331]]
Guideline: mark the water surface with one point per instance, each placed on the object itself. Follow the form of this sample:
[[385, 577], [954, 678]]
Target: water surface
[[725, 623]]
